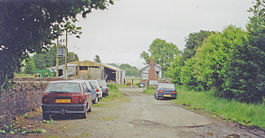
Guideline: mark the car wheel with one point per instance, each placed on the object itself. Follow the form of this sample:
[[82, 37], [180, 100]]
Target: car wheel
[[90, 109], [96, 100], [84, 115], [45, 116]]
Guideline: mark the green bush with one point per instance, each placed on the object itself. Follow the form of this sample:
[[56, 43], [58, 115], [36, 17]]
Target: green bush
[[44, 73]]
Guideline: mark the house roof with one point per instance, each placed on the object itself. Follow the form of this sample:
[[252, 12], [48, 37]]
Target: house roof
[[157, 65]]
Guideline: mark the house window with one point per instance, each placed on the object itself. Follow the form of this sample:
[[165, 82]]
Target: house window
[[83, 68]]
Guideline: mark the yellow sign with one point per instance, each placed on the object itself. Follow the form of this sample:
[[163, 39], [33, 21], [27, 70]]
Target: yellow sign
[[63, 101]]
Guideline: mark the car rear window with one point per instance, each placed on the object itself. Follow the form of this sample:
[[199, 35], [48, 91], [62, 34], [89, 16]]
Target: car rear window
[[166, 85], [64, 87], [102, 83], [95, 84]]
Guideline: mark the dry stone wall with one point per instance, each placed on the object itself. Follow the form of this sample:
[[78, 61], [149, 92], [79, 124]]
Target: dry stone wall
[[22, 98]]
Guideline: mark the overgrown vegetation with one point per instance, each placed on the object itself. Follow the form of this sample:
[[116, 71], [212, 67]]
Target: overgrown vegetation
[[149, 90], [230, 62], [114, 93], [243, 113], [20, 126]]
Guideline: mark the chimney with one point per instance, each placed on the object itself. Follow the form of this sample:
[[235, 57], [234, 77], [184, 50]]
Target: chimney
[[152, 74]]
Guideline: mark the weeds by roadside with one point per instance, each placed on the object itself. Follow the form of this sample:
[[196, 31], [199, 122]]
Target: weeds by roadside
[[114, 93], [21, 125], [149, 90], [245, 114]]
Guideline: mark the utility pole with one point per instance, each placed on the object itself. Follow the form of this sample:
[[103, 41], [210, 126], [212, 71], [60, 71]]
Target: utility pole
[[65, 58], [57, 47]]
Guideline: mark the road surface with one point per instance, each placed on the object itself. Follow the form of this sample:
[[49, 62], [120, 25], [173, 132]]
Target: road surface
[[140, 115]]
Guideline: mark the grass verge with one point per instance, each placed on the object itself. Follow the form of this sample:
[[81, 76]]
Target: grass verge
[[149, 90], [114, 94], [245, 114], [242, 113]]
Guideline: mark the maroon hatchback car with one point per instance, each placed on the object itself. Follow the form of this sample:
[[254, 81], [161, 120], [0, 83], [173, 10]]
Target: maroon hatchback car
[[66, 97]]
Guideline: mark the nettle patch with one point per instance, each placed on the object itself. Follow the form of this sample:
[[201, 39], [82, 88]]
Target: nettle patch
[[21, 125]]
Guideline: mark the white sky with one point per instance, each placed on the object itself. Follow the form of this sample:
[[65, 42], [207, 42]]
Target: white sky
[[121, 33]]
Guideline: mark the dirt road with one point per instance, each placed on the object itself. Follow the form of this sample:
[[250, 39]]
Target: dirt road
[[140, 115]]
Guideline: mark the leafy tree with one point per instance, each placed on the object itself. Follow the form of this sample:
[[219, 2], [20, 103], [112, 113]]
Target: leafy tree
[[174, 71], [29, 67], [193, 41], [39, 61], [256, 52], [48, 58], [162, 52], [130, 70], [97, 59], [187, 74], [29, 26]]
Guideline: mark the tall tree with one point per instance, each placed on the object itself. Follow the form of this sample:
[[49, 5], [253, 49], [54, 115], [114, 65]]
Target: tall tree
[[29, 26], [256, 58], [162, 52], [97, 59], [193, 41]]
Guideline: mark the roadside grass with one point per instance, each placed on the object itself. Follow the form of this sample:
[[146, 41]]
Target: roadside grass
[[114, 94], [242, 113], [18, 75], [149, 90], [245, 114]]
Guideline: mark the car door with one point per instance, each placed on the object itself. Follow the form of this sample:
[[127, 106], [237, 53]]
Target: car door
[[85, 92], [92, 91]]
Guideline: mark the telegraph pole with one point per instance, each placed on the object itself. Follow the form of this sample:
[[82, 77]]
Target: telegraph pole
[[65, 58], [57, 47]]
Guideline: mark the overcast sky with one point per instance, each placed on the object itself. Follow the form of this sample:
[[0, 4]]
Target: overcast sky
[[121, 33]]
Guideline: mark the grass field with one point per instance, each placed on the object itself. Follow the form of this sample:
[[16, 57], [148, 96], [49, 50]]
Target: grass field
[[245, 114]]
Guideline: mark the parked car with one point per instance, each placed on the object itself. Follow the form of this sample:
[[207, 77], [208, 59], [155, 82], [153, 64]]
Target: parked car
[[166, 80], [141, 85], [66, 97], [96, 87], [165, 90], [153, 83], [104, 87], [94, 95]]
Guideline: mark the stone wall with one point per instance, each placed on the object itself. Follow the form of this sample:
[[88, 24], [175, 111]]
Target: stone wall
[[22, 98]]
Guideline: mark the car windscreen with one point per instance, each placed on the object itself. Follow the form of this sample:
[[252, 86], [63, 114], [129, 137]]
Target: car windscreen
[[166, 86], [64, 87]]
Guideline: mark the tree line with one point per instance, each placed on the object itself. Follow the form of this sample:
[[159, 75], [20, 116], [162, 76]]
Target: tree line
[[229, 63], [40, 61]]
